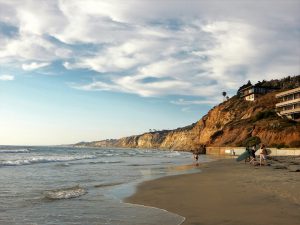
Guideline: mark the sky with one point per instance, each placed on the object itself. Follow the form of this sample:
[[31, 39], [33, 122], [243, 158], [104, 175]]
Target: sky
[[86, 70]]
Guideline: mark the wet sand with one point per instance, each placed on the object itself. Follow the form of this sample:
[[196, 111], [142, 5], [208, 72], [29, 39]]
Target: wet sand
[[229, 193]]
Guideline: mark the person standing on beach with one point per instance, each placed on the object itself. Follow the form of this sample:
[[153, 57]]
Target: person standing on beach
[[203, 149], [196, 154], [252, 153], [263, 155], [198, 151], [249, 152]]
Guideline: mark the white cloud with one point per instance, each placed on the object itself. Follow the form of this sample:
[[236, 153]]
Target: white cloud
[[95, 22], [33, 66], [211, 101], [185, 48], [7, 77], [68, 66], [186, 109], [98, 85], [30, 47], [118, 57]]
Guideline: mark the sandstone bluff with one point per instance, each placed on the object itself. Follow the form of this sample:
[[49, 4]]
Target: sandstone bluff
[[231, 123]]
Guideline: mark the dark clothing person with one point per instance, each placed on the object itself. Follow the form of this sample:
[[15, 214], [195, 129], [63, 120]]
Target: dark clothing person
[[196, 155], [249, 152], [252, 154]]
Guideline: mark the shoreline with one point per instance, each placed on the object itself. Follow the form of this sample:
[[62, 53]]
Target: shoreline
[[226, 192]]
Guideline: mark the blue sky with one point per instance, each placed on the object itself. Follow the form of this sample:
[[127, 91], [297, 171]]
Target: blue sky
[[88, 70]]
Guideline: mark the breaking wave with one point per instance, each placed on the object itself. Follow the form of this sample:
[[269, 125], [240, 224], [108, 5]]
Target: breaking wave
[[107, 185], [106, 161], [65, 193], [43, 159], [173, 154], [15, 150]]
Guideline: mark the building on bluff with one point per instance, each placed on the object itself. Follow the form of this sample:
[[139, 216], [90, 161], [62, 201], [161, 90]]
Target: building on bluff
[[289, 104], [251, 92]]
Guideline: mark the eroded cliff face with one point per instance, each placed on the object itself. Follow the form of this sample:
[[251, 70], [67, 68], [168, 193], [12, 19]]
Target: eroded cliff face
[[186, 138], [228, 124], [244, 120]]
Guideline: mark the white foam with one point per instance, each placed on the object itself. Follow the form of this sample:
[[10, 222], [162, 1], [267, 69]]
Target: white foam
[[43, 159], [14, 151], [66, 193], [179, 219], [173, 154], [107, 161]]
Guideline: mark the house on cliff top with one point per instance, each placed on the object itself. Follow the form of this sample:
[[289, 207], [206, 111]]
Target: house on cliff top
[[289, 104], [251, 92]]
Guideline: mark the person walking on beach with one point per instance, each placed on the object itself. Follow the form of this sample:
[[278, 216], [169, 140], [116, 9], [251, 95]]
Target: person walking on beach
[[249, 152], [252, 153], [263, 155], [196, 154]]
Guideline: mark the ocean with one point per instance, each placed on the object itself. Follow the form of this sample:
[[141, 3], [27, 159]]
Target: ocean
[[66, 185]]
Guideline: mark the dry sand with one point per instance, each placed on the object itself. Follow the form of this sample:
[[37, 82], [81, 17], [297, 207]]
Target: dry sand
[[227, 192]]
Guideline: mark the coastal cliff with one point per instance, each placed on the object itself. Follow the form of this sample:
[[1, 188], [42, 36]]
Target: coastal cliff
[[234, 122]]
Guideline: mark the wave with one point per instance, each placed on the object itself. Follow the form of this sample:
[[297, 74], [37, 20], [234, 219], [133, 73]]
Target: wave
[[43, 159], [65, 193], [173, 154], [146, 164], [106, 161], [107, 185], [23, 150]]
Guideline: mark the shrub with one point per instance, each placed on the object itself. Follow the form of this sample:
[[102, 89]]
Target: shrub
[[294, 144], [240, 144], [279, 146], [251, 141], [249, 129], [264, 115], [285, 123]]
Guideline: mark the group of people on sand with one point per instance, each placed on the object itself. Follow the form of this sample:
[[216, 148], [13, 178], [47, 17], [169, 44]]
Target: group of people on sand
[[251, 150], [262, 154]]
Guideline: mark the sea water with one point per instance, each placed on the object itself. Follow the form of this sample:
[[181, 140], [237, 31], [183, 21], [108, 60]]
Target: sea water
[[66, 185]]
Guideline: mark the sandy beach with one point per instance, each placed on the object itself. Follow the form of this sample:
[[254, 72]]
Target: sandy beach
[[227, 192]]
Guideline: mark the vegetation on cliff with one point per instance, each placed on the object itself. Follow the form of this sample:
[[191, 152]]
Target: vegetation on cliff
[[234, 122]]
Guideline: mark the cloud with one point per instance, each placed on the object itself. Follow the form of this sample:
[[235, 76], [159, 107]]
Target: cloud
[[98, 85], [33, 66], [7, 77], [194, 48], [186, 109], [181, 101], [28, 47]]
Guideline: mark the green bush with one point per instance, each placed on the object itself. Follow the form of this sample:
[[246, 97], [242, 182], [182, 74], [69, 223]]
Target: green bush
[[285, 123], [294, 144], [251, 141], [264, 115], [279, 146]]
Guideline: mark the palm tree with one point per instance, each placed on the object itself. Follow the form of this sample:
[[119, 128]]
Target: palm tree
[[224, 94]]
